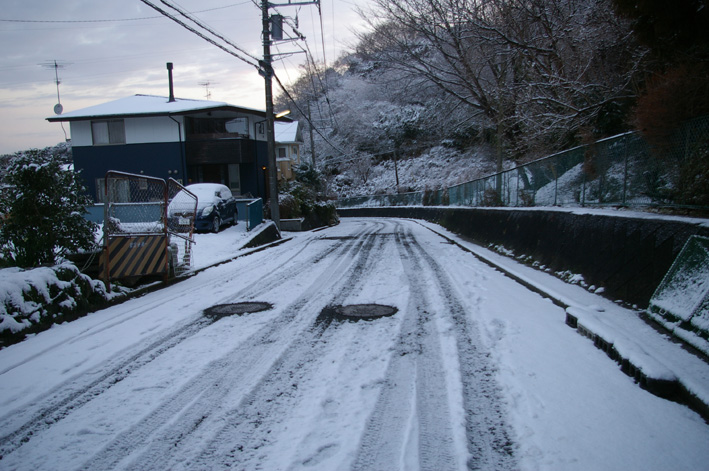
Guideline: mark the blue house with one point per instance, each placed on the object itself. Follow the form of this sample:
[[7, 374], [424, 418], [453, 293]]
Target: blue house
[[192, 141]]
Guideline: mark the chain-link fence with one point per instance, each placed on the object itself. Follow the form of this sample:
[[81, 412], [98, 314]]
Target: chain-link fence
[[148, 227], [134, 204], [134, 227], [619, 171], [682, 298], [181, 213]]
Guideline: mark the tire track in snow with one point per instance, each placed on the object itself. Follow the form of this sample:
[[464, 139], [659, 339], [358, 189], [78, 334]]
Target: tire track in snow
[[283, 274], [246, 366], [161, 297], [69, 397], [247, 427], [410, 425], [488, 434], [81, 389]]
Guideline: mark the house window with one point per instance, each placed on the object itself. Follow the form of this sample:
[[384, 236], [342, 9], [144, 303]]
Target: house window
[[108, 132], [281, 152], [234, 178], [238, 126], [119, 191]]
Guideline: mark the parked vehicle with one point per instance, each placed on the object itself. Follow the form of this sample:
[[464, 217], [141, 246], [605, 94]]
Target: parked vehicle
[[216, 206]]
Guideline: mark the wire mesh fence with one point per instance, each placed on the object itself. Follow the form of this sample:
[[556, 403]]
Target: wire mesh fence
[[135, 231], [623, 170], [148, 226], [181, 213], [134, 204]]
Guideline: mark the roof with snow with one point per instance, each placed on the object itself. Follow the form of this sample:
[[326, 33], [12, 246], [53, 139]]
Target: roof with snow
[[149, 105], [286, 132]]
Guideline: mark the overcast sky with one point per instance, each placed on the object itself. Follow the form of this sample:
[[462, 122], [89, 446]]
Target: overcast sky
[[111, 49]]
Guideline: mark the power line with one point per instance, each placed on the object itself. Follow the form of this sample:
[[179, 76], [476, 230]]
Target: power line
[[201, 35], [324, 86], [304, 114], [212, 41], [207, 28], [115, 20], [322, 38]]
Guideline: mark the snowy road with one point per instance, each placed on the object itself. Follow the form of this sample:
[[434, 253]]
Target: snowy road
[[472, 372]]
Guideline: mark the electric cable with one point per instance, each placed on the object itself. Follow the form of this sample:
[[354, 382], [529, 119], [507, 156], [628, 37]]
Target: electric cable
[[115, 20], [201, 35], [307, 118], [210, 30]]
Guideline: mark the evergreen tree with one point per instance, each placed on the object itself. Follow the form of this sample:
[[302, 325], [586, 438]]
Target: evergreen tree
[[43, 206]]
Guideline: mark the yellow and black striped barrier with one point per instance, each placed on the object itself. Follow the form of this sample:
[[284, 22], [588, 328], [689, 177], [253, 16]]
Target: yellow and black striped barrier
[[135, 256]]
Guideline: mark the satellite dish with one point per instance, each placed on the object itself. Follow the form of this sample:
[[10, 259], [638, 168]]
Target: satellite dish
[[58, 108]]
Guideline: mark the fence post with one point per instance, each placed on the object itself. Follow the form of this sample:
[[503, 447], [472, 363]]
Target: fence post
[[556, 183], [625, 172], [583, 189]]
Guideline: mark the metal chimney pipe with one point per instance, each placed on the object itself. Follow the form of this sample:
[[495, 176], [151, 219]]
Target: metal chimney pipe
[[169, 77]]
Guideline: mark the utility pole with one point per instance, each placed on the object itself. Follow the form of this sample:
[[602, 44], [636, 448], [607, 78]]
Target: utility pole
[[312, 141], [266, 71]]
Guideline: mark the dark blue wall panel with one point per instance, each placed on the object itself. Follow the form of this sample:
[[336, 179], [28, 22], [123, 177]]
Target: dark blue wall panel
[[154, 159]]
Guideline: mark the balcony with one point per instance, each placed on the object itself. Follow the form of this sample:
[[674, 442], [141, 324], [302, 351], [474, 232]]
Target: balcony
[[219, 148]]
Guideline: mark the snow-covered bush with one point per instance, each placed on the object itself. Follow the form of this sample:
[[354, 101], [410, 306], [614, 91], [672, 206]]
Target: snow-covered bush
[[33, 300], [302, 199], [43, 206]]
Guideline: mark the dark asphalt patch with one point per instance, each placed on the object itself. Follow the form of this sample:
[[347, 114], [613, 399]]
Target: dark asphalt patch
[[356, 312], [235, 309]]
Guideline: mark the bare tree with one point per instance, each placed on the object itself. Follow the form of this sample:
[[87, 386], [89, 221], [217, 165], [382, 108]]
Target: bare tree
[[362, 166], [534, 70]]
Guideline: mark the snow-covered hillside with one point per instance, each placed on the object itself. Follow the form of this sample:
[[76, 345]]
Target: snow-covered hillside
[[438, 167]]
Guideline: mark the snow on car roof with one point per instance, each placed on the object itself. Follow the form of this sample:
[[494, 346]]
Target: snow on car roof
[[204, 187]]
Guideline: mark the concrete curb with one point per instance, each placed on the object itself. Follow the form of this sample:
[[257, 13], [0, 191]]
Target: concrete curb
[[647, 371]]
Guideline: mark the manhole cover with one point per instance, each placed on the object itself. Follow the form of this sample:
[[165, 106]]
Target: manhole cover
[[356, 312], [236, 309]]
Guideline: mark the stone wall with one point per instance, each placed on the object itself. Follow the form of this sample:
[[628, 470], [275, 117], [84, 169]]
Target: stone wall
[[627, 256]]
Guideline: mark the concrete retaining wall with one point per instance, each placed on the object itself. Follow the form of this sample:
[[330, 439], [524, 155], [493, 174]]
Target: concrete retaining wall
[[628, 256]]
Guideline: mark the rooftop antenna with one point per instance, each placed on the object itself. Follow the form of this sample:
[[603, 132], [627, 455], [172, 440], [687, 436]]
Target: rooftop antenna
[[58, 108], [206, 85], [53, 64]]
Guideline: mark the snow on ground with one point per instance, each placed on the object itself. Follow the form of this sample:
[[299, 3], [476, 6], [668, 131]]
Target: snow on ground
[[210, 248], [473, 370], [438, 167]]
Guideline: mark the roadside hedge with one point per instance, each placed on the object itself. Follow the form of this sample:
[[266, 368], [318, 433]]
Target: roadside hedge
[[32, 300]]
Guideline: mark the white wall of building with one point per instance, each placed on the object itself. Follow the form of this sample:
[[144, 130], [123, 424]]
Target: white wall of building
[[80, 133], [138, 130], [154, 129]]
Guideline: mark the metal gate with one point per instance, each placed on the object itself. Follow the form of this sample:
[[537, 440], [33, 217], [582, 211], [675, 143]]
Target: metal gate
[[682, 298], [140, 219], [181, 213]]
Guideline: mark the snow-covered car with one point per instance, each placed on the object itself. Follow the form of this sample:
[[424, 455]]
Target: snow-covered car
[[216, 206]]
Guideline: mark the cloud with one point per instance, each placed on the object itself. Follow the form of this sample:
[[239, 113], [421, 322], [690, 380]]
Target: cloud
[[104, 60]]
